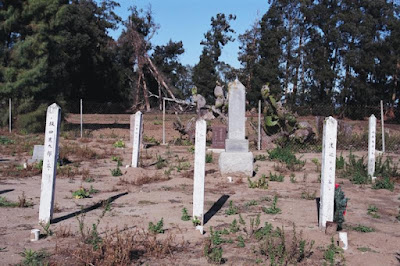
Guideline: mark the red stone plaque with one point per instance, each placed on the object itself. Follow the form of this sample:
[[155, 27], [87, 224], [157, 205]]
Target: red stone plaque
[[218, 137]]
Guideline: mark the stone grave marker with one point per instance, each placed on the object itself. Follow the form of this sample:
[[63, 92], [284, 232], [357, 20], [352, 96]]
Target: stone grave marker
[[53, 119], [199, 171], [328, 167], [218, 137], [38, 152], [137, 138], [236, 157], [371, 146]]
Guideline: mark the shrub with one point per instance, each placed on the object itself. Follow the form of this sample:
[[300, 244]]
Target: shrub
[[373, 211], [157, 228], [383, 183], [285, 155], [273, 209], [119, 144], [356, 170], [232, 209], [185, 216], [276, 177], [363, 229], [340, 207], [32, 257], [209, 157], [116, 172], [340, 162], [262, 182]]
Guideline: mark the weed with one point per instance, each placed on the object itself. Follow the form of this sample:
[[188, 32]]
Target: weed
[[119, 144], [191, 149], [251, 203], [151, 140], [330, 253], [232, 209], [383, 183], [363, 229], [81, 193], [273, 209], [385, 168], [209, 157], [157, 228], [366, 249], [356, 170], [161, 162], [5, 141], [276, 177], [117, 159], [34, 258], [373, 211], [185, 216], [46, 228], [213, 253], [234, 227], [340, 162], [22, 202], [293, 178], [240, 241], [262, 182], [116, 171], [196, 221], [260, 157], [285, 155], [317, 164], [308, 196], [182, 166]]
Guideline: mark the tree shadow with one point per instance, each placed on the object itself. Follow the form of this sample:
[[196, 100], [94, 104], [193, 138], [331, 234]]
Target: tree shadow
[[88, 209], [215, 208], [6, 191], [93, 126]]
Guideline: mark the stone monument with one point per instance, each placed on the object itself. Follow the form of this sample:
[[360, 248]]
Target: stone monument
[[236, 158]]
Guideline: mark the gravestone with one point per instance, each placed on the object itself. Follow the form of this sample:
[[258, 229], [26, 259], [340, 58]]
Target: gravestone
[[199, 171], [236, 158], [371, 146], [53, 119], [218, 137], [38, 152], [131, 128], [137, 138], [328, 167]]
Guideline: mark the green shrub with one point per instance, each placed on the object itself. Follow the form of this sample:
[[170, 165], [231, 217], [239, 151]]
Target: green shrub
[[383, 183], [340, 207], [157, 228], [119, 144], [209, 157], [185, 216], [34, 258], [232, 209], [32, 121], [116, 172], [262, 182], [356, 170], [273, 209], [285, 155], [340, 162], [363, 229], [276, 177], [373, 211]]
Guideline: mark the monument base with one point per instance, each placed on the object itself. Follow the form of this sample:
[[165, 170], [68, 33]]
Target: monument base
[[236, 162]]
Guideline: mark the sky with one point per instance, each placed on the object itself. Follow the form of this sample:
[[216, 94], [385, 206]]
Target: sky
[[188, 20]]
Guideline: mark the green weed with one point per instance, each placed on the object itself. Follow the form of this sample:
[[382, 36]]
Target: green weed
[[232, 209], [262, 182], [273, 209], [185, 216], [157, 228]]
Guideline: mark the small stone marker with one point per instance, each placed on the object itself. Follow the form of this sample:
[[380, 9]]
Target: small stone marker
[[53, 119], [35, 234], [137, 139], [38, 152], [218, 137], [371, 146], [236, 157], [199, 171], [328, 167]]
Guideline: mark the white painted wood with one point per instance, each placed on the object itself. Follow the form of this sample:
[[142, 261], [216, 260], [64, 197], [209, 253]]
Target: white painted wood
[[328, 167], [383, 127], [137, 139], [53, 119], [259, 126], [163, 123], [199, 169], [371, 146]]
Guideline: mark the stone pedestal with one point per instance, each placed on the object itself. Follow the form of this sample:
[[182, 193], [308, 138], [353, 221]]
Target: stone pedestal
[[236, 158]]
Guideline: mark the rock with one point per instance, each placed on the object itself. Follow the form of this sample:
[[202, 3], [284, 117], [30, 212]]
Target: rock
[[219, 91], [304, 125]]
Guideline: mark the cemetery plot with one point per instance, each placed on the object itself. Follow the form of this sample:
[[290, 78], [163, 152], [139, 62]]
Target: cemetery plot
[[149, 208]]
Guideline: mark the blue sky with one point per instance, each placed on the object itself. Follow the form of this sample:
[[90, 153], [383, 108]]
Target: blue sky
[[188, 20]]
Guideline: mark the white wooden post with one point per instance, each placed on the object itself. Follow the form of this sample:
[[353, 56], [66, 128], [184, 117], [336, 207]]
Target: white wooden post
[[371, 146], [137, 139], [199, 172], [259, 126], [53, 119], [328, 166], [383, 127], [163, 123]]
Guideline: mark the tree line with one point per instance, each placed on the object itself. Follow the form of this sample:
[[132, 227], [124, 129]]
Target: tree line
[[340, 54]]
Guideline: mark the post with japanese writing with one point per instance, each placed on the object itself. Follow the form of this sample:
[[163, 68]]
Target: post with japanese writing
[[137, 139], [199, 172], [371, 146], [328, 167], [53, 119]]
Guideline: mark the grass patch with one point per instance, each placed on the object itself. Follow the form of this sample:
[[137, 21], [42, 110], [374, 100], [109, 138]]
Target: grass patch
[[363, 229], [22, 202], [286, 155]]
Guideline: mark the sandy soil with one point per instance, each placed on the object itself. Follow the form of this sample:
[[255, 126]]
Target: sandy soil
[[134, 206]]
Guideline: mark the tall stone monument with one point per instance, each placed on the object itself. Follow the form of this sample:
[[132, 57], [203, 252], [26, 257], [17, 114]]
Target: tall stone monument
[[53, 119], [236, 158]]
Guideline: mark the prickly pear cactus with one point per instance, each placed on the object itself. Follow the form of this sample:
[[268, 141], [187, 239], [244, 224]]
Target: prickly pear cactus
[[276, 118], [340, 207]]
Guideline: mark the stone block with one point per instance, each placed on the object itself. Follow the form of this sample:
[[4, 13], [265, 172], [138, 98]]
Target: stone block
[[236, 145], [236, 162]]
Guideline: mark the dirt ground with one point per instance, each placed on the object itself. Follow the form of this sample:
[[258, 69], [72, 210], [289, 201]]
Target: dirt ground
[[147, 194]]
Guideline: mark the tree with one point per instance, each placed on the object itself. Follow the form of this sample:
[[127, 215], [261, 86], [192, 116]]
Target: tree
[[205, 73]]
